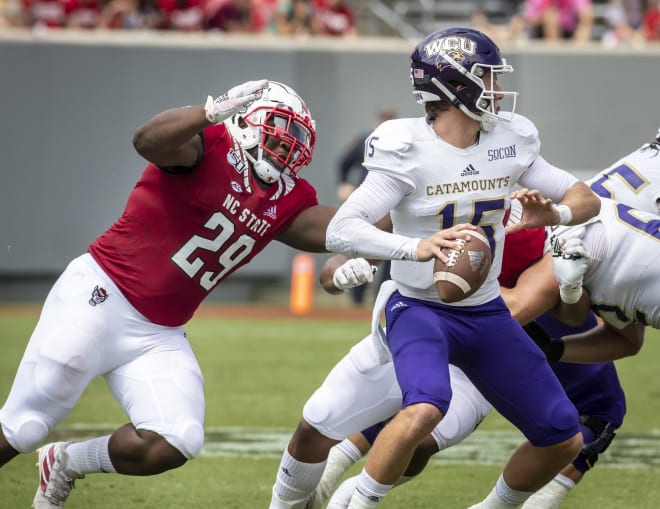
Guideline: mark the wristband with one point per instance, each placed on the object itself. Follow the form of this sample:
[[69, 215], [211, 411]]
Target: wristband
[[565, 214], [553, 348], [570, 294]]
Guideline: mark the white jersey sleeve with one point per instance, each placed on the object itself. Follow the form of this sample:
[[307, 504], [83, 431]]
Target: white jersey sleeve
[[549, 179]]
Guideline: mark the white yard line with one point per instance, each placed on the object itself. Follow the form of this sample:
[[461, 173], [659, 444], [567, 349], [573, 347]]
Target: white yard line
[[629, 450]]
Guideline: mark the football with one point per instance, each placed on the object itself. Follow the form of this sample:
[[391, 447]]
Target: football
[[466, 269]]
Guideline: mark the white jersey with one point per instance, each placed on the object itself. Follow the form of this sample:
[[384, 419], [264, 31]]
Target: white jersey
[[623, 277], [427, 185], [634, 180]]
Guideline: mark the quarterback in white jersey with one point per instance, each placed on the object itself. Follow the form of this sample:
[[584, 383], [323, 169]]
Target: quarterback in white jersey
[[437, 176], [634, 179]]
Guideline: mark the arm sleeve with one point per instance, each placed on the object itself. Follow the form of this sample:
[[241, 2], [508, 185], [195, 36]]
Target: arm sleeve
[[352, 232], [543, 175]]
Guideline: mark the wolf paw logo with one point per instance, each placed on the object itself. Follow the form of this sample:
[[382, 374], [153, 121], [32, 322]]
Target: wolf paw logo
[[99, 295]]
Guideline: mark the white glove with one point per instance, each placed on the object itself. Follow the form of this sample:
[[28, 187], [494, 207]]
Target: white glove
[[570, 262], [220, 109], [354, 272]]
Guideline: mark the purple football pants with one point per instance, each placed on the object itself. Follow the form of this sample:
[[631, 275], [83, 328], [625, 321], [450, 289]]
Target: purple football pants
[[493, 351]]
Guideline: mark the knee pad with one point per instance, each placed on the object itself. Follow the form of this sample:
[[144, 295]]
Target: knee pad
[[598, 435], [27, 433], [187, 437]]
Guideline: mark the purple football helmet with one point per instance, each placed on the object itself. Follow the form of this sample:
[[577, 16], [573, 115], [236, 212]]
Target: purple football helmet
[[450, 65]]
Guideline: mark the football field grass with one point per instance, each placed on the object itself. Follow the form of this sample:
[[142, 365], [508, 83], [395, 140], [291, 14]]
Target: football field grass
[[258, 374]]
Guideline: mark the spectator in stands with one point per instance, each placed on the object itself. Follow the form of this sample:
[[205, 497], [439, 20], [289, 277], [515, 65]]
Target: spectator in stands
[[502, 20], [10, 13], [297, 17], [263, 14], [624, 19], [183, 15], [131, 15], [336, 18], [233, 16], [559, 19], [83, 14], [41, 14], [652, 22]]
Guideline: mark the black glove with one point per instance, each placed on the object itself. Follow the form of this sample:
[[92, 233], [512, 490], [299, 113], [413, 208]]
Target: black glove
[[552, 348]]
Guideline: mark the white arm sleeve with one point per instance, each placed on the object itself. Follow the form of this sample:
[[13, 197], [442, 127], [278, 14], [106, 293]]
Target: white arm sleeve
[[542, 175], [352, 232]]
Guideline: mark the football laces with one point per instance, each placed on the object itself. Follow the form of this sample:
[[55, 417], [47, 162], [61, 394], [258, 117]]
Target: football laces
[[455, 253]]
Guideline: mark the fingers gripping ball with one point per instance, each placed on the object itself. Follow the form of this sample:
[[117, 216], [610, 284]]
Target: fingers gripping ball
[[466, 269]]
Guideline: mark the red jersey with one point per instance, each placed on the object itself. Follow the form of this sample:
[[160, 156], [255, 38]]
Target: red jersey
[[182, 234], [521, 249]]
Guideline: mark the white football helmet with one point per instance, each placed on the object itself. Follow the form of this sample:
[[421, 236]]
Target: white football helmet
[[280, 113]]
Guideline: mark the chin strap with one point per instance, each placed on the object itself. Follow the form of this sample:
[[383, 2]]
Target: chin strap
[[265, 170]]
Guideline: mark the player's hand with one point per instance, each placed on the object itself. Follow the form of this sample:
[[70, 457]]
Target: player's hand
[[431, 247], [570, 261], [537, 211], [220, 109], [354, 272]]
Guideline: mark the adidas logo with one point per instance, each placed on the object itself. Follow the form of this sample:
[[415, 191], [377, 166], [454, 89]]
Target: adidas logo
[[371, 498], [476, 260], [271, 212], [470, 170], [236, 187], [398, 305]]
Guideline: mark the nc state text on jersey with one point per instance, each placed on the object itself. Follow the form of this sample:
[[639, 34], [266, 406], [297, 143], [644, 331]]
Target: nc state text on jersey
[[256, 224]]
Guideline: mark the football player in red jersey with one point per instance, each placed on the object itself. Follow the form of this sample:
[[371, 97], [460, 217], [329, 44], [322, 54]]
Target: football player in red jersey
[[221, 184]]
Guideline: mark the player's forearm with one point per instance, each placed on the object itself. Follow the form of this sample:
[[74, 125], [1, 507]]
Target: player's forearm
[[582, 201], [574, 315], [602, 344]]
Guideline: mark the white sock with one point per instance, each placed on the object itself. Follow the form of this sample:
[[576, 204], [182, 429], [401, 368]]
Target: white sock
[[551, 495], [502, 497], [342, 495], [90, 456], [349, 449], [368, 492], [295, 482], [340, 459]]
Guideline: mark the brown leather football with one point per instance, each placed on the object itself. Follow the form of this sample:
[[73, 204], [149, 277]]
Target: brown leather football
[[466, 269]]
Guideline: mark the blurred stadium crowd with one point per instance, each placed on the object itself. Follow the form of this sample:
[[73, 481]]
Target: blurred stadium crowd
[[614, 22]]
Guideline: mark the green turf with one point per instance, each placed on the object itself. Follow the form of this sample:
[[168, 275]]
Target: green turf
[[258, 374]]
